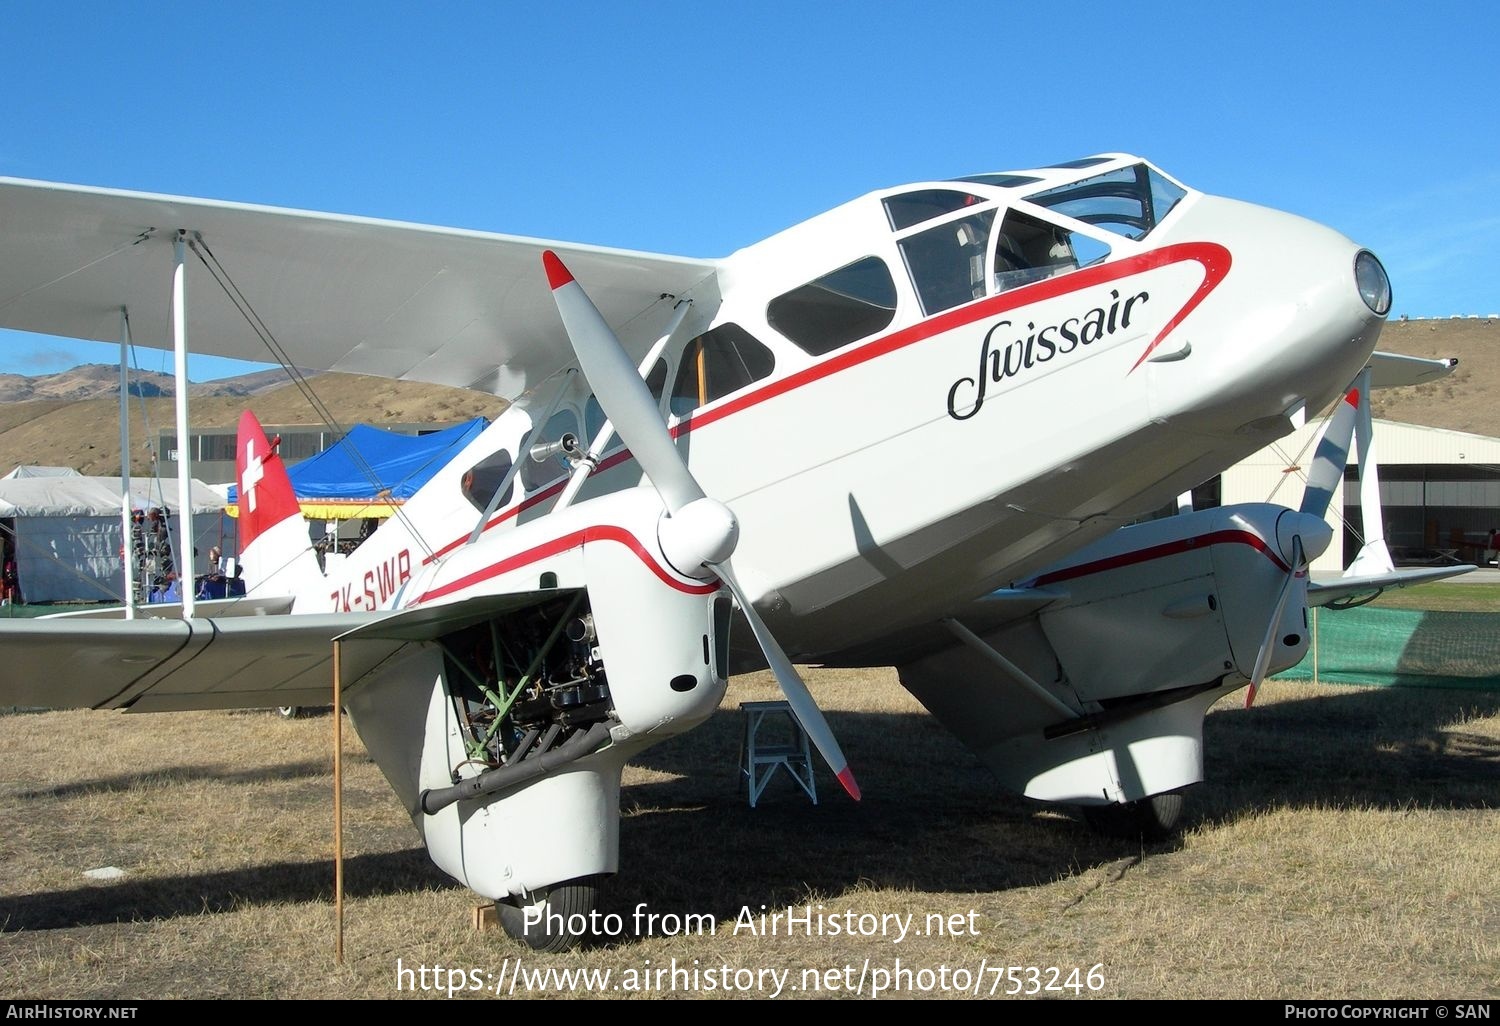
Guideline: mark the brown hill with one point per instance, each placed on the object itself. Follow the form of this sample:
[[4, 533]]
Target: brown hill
[[1466, 400], [49, 429], [85, 435], [98, 380]]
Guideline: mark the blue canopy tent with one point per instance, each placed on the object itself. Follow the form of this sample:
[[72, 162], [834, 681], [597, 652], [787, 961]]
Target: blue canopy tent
[[371, 471]]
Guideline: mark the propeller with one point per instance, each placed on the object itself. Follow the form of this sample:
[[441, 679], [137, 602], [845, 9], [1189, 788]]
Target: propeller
[[1322, 481], [698, 533], [1268, 646], [1332, 456]]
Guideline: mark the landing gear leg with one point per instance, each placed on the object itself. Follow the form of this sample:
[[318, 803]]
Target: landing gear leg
[[1150, 819], [555, 918]]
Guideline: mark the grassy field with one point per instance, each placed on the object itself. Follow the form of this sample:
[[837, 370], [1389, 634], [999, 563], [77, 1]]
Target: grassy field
[[1443, 597], [1344, 845]]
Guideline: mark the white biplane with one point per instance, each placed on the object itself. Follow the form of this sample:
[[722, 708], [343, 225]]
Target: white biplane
[[906, 432]]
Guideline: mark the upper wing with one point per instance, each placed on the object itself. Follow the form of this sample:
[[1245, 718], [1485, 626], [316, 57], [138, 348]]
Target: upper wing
[[388, 298]]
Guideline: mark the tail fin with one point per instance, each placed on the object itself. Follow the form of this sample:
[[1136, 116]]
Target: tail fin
[[275, 550]]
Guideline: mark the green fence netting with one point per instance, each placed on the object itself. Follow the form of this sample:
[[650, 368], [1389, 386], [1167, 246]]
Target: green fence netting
[[1406, 648]]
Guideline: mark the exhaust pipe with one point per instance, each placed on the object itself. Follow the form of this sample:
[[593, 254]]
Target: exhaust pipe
[[518, 774]]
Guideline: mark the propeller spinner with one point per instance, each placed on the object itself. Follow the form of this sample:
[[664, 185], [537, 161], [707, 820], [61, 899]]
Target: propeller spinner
[[697, 534]]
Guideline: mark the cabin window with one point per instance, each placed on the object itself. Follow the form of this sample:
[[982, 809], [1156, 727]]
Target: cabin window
[[843, 306], [480, 481], [1128, 201], [593, 420], [912, 208], [717, 363], [656, 381], [947, 263], [536, 474], [1028, 249]]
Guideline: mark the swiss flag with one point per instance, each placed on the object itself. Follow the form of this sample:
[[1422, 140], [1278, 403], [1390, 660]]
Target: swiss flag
[[265, 492]]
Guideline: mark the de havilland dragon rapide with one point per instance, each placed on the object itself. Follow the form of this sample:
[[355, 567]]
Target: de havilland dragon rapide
[[925, 429]]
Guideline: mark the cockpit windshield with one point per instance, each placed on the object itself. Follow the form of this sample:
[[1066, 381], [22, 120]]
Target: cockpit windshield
[[1128, 201]]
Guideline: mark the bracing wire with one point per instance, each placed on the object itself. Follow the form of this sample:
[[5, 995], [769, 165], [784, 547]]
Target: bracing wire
[[246, 310]]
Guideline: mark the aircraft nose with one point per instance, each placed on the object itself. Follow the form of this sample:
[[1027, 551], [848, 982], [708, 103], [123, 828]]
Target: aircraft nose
[[1295, 318]]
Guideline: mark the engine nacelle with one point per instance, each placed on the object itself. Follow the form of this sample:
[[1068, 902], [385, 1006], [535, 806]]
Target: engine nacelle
[[1149, 626]]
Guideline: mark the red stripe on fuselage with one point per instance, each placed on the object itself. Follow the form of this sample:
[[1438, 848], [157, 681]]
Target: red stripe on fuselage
[[1213, 258], [1161, 551], [596, 533]]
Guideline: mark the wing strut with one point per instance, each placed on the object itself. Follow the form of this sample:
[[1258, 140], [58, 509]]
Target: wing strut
[[338, 805], [186, 575], [1374, 557], [127, 548], [601, 440]]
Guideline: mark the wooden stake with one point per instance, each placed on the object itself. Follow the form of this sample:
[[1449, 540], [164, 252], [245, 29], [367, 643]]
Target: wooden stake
[[338, 811], [1315, 643]]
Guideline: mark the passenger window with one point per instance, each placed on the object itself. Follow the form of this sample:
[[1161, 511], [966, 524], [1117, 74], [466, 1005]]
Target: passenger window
[[717, 363], [656, 381], [480, 481], [843, 306], [534, 475], [593, 420], [947, 263]]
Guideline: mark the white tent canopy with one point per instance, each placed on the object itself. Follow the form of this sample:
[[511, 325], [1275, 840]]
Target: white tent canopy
[[34, 471], [67, 531]]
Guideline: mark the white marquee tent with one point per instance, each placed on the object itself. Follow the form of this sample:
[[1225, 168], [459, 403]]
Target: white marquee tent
[[67, 531]]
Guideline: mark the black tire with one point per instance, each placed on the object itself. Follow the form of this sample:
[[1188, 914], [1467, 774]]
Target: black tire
[[564, 915], [289, 712], [1150, 819]]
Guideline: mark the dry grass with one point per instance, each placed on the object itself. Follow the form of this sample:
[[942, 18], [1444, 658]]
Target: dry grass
[[1344, 846]]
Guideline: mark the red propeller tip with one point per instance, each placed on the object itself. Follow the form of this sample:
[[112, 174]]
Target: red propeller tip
[[557, 274], [847, 779]]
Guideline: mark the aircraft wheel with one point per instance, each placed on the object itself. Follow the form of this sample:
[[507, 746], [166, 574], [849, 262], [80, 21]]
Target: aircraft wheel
[[560, 915], [1151, 819], [289, 712]]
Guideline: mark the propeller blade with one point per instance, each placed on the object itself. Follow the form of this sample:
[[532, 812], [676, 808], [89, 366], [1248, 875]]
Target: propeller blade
[[1332, 456], [1268, 646], [617, 385], [804, 706]]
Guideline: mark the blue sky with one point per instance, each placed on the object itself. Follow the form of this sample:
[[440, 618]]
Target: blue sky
[[697, 128]]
